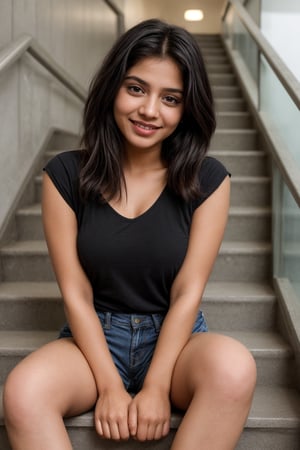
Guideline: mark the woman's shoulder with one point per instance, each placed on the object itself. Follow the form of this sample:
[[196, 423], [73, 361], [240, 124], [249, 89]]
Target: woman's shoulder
[[211, 175], [63, 169], [211, 168], [67, 158]]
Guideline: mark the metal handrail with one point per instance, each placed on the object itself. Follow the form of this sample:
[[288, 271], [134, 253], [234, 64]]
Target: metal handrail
[[26, 43], [119, 14], [286, 77], [283, 159]]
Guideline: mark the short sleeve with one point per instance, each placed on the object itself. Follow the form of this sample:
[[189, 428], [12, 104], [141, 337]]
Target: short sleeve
[[63, 170], [211, 175]]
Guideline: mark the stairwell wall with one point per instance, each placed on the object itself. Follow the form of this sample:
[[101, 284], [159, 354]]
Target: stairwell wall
[[77, 34]]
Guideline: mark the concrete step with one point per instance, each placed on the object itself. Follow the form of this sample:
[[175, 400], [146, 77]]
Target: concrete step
[[251, 223], [234, 120], [243, 261], [226, 92], [227, 305], [30, 306], [239, 306], [209, 58], [26, 261], [242, 162], [274, 357], [208, 40], [29, 222], [217, 79], [62, 140], [273, 424], [230, 104], [213, 51], [250, 191], [241, 139], [218, 68], [244, 223]]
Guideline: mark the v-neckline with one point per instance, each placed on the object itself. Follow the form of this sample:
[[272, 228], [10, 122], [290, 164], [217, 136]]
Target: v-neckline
[[148, 210]]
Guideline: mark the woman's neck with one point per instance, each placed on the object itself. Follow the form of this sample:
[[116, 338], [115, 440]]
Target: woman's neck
[[139, 160]]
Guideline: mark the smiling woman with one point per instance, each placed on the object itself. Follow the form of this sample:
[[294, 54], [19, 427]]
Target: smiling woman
[[140, 212]]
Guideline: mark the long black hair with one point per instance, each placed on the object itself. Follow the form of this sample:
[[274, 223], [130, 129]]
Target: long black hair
[[184, 150]]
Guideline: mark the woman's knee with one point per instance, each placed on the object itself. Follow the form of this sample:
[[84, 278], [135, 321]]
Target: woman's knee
[[224, 367], [20, 397], [233, 369]]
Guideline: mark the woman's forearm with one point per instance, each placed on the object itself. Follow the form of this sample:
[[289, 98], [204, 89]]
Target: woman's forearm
[[88, 335], [175, 332]]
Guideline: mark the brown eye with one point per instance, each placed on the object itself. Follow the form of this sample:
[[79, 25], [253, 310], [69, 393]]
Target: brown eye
[[135, 89], [171, 100]]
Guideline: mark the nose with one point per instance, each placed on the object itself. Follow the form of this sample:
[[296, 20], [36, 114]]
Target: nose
[[149, 107]]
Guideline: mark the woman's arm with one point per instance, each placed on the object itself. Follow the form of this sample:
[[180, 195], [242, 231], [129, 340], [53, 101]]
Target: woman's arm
[[207, 230], [60, 227]]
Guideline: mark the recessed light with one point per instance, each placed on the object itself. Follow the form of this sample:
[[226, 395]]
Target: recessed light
[[193, 15]]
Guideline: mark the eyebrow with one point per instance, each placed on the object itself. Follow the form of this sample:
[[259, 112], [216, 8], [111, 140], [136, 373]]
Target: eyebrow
[[143, 82]]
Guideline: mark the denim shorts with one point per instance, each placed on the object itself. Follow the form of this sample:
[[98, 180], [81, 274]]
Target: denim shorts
[[131, 339]]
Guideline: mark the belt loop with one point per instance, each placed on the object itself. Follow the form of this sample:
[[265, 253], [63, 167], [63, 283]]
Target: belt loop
[[107, 320], [157, 321]]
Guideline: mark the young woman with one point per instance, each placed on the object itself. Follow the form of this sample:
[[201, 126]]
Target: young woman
[[133, 222]]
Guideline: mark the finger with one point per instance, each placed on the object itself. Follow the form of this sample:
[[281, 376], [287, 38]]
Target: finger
[[165, 428], [124, 429], [132, 419], [142, 431], [106, 430], [151, 430], [114, 431], [158, 432], [98, 427]]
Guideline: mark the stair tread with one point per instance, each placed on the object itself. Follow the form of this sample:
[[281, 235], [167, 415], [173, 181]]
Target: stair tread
[[240, 291], [272, 407], [249, 210], [29, 290], [239, 153], [33, 209], [233, 113], [250, 179], [260, 343], [245, 247], [236, 131], [25, 247]]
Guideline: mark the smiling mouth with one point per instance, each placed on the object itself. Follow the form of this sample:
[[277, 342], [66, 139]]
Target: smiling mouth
[[144, 126]]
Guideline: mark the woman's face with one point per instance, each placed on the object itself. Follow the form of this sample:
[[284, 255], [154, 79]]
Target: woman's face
[[149, 104]]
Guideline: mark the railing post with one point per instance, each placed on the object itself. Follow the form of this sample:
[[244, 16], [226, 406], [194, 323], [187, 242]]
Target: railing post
[[120, 17]]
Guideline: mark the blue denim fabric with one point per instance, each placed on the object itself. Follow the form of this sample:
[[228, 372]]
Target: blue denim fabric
[[131, 339]]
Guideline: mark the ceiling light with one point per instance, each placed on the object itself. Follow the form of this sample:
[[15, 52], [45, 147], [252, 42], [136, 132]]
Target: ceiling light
[[193, 15]]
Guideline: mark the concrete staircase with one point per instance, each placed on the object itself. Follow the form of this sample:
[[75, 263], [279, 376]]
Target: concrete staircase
[[239, 299]]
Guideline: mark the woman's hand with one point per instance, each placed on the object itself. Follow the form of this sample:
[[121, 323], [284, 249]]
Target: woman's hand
[[149, 414], [111, 414]]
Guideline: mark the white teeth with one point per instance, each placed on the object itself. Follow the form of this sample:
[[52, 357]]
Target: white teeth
[[144, 126]]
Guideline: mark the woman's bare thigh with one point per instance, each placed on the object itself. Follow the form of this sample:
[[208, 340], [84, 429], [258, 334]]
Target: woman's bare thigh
[[56, 375], [208, 360]]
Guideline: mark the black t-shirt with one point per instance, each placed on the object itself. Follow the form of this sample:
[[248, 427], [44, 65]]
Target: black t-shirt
[[131, 263]]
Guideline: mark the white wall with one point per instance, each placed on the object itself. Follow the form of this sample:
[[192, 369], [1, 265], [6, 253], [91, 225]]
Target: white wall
[[172, 11], [77, 34], [280, 23]]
